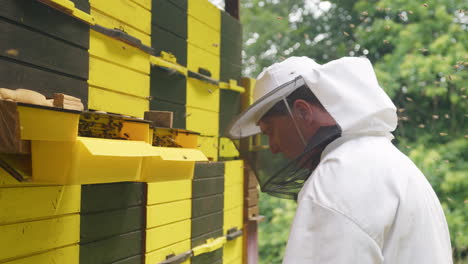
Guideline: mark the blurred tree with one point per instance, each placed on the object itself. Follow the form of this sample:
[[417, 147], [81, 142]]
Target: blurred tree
[[419, 52]]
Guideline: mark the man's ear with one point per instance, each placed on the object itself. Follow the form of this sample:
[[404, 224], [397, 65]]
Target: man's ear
[[303, 109]]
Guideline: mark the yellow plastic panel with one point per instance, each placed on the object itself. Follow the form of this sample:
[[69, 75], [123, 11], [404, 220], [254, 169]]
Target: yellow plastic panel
[[233, 196], [166, 213], [202, 95], [126, 11], [233, 250], [117, 78], [31, 237], [109, 22], [163, 236], [171, 164], [167, 191], [118, 52], [209, 147], [89, 160], [108, 101], [36, 124], [234, 172], [199, 58], [28, 203], [161, 254], [206, 12], [233, 218], [203, 121], [227, 148], [203, 36], [68, 255]]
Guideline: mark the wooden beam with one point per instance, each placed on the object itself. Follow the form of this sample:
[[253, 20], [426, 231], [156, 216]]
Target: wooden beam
[[232, 7]]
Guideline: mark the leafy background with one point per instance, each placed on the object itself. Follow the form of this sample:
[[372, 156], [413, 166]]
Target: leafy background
[[419, 52]]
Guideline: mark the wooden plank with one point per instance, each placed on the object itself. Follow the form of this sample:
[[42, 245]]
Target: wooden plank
[[36, 236], [208, 169], [229, 71], [234, 172], [211, 257], [166, 235], [18, 75], [252, 198], [82, 5], [111, 196], [203, 121], [10, 133], [233, 7], [234, 196], [168, 87], [57, 24], [102, 225], [199, 60], [69, 255], [209, 146], [203, 95], [206, 12], [178, 110], [180, 3], [233, 250], [200, 240], [252, 212], [112, 249], [233, 218], [163, 40], [170, 17], [207, 205], [160, 118], [166, 213], [203, 36], [251, 243], [230, 26], [28, 203], [207, 223], [206, 187]]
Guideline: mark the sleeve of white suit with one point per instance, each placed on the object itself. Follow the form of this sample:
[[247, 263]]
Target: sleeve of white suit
[[321, 235]]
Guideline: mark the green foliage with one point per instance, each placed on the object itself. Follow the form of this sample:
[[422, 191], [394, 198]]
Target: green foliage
[[419, 53]]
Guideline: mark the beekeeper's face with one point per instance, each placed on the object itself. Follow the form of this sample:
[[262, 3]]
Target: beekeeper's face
[[286, 135]]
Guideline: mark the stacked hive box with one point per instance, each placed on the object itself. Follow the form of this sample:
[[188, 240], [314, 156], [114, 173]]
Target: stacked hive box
[[108, 68], [112, 223], [119, 72], [168, 217], [233, 210], [207, 207], [38, 224], [58, 40]]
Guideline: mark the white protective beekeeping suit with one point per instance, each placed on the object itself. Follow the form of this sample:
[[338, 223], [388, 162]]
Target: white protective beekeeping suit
[[366, 202]]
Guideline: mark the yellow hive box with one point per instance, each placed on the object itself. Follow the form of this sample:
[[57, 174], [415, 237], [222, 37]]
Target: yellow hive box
[[202, 95], [203, 36], [161, 254], [47, 123], [88, 160], [233, 250], [206, 12], [28, 203], [209, 147], [110, 76], [198, 58], [234, 172], [113, 102], [235, 261], [204, 122], [227, 148], [167, 191], [233, 196], [174, 137], [134, 129], [166, 235], [233, 218], [170, 164], [127, 12], [34, 237], [166, 213]]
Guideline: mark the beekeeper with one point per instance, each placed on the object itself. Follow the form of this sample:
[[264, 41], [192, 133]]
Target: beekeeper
[[360, 200]]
